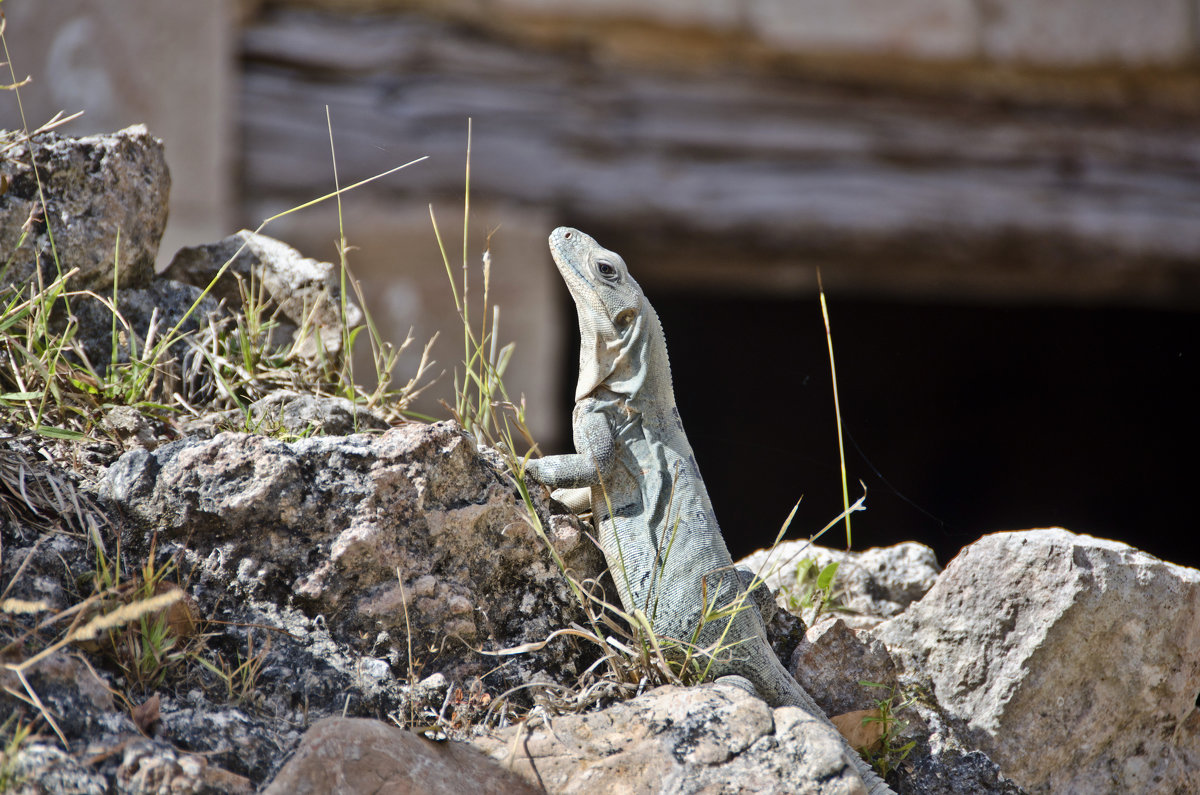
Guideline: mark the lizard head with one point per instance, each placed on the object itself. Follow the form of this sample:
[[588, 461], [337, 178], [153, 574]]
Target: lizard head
[[612, 313]]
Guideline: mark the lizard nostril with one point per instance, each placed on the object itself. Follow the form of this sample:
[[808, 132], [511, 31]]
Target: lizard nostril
[[566, 235]]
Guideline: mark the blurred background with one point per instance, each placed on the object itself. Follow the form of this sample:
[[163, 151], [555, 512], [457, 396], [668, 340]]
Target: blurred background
[[1002, 198]]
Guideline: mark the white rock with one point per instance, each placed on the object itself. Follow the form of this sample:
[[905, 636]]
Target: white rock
[[873, 584], [1074, 661]]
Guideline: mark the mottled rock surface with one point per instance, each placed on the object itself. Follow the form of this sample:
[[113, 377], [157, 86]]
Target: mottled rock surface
[[149, 768], [297, 559], [322, 559], [711, 738]]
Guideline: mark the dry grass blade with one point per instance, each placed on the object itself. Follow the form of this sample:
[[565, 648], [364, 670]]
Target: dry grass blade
[[48, 382], [770, 568], [124, 614], [632, 657], [837, 408], [23, 606], [540, 644], [31, 492], [41, 707], [106, 621]]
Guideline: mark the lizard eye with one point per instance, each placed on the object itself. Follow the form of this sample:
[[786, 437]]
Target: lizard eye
[[606, 269]]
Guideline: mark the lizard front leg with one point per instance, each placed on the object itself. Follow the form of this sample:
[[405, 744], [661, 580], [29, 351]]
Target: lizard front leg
[[597, 453]]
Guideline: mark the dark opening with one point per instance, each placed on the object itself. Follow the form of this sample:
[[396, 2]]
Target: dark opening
[[960, 420]]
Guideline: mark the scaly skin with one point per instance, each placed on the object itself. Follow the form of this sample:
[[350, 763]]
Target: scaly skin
[[655, 521]]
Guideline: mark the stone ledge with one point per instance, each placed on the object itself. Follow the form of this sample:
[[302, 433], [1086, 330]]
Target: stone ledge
[[1065, 34]]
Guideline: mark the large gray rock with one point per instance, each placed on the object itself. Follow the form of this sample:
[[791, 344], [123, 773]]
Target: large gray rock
[[1074, 662], [357, 755], [406, 543], [711, 738], [96, 188]]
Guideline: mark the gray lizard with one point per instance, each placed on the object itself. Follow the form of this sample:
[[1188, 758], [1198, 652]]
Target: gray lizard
[[655, 521]]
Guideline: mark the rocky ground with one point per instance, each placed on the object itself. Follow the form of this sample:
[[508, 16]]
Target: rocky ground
[[284, 589]]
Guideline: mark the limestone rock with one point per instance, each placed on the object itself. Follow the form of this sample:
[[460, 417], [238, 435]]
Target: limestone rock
[[871, 585], [710, 738], [358, 755], [1074, 662], [831, 662], [105, 751], [236, 739], [785, 632], [949, 769], [96, 188], [305, 290]]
